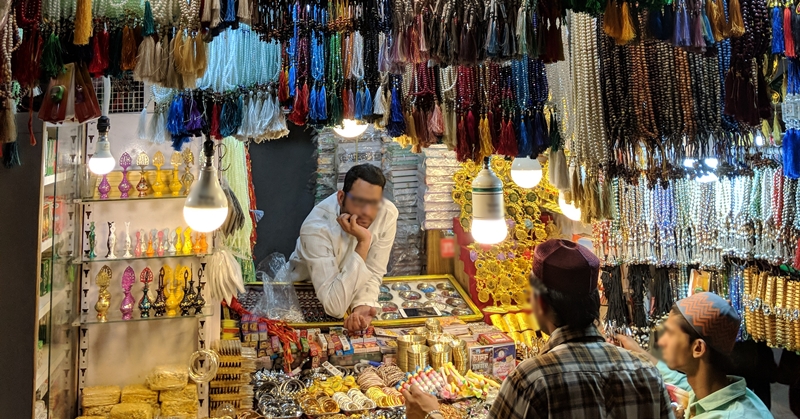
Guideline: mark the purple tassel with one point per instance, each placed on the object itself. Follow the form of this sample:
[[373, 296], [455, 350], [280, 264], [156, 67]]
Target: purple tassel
[[791, 154], [195, 120], [540, 138], [697, 32], [680, 36], [777, 30]]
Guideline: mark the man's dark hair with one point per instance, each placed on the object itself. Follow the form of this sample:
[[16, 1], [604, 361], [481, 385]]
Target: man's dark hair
[[719, 361], [366, 172], [578, 311]]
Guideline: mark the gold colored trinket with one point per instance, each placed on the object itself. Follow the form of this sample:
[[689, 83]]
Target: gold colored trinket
[[103, 280]]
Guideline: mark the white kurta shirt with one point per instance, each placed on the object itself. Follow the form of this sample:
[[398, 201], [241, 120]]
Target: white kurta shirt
[[327, 254]]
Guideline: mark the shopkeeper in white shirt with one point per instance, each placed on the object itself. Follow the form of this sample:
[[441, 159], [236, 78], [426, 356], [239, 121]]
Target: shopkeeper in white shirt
[[344, 247]]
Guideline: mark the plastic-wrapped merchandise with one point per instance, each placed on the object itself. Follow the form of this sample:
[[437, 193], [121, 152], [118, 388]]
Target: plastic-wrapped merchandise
[[102, 411], [279, 301], [186, 408], [438, 216], [168, 377], [187, 393], [139, 393], [401, 167], [438, 150], [131, 411], [326, 171], [92, 417], [436, 180], [100, 396], [443, 206], [354, 153]]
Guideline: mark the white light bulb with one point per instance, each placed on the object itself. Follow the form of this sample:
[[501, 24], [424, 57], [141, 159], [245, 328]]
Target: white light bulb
[[206, 206], [102, 162], [759, 140], [526, 172], [689, 163], [488, 208], [489, 231], [350, 128], [569, 210]]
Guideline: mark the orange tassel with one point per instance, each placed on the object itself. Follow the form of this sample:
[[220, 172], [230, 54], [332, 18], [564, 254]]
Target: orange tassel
[[129, 49], [83, 22], [736, 23], [713, 19], [611, 23], [628, 30]]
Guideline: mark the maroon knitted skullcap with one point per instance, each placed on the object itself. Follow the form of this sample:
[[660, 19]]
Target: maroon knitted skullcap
[[566, 266]]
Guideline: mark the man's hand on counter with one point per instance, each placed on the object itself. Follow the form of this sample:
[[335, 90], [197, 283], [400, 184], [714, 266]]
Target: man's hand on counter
[[360, 318]]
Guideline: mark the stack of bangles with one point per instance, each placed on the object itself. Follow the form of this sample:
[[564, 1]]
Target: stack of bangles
[[385, 397], [391, 374], [354, 400], [317, 404], [369, 378]]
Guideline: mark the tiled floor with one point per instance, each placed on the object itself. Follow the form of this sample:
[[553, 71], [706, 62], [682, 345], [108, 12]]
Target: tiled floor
[[780, 402]]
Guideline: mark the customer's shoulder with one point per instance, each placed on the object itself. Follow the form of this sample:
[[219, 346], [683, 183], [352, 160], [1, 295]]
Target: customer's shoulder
[[573, 357]]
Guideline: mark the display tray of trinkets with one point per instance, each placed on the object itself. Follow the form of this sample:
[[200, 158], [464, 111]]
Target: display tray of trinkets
[[404, 300]]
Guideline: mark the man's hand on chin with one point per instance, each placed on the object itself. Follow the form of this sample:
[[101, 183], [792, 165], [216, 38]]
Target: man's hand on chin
[[360, 318]]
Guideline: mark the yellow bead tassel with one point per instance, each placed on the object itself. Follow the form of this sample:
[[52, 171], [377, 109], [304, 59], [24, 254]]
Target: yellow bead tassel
[[627, 28], [486, 138], [83, 22], [201, 62]]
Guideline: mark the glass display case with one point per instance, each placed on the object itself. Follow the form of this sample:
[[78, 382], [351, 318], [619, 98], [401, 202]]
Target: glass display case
[[58, 286]]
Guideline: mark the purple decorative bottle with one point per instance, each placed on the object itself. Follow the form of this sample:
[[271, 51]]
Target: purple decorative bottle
[[104, 187], [128, 302], [125, 162]]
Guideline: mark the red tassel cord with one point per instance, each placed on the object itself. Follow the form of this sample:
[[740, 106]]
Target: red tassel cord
[[215, 122], [300, 110], [274, 327], [99, 62], [463, 153]]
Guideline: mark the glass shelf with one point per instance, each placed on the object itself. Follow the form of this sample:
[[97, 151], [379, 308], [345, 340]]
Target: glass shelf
[[114, 316], [130, 198], [121, 259]]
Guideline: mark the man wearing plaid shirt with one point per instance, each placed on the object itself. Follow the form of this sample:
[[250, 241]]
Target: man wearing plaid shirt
[[578, 375]]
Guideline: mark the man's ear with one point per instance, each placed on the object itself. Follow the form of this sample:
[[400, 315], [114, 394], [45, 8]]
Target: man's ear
[[340, 197], [699, 348]]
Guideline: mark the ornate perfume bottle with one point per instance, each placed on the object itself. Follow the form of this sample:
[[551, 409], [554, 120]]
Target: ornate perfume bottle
[[199, 301], [158, 185], [175, 293], [160, 304], [112, 240], [196, 246], [175, 185], [203, 244], [172, 237], [163, 242], [188, 178], [187, 241], [150, 249], [92, 238], [104, 188], [137, 250], [142, 160], [143, 243], [124, 186], [178, 241], [146, 277], [187, 303], [128, 279], [103, 280], [127, 240]]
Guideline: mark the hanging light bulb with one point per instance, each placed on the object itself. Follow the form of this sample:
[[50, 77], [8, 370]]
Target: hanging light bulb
[[526, 172], [488, 208], [350, 128], [206, 206], [102, 162], [710, 176], [569, 210]]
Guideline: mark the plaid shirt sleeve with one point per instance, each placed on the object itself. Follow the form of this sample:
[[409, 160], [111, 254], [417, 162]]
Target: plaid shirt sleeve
[[514, 400]]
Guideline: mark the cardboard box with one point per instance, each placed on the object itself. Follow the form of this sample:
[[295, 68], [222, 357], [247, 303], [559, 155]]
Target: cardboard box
[[494, 338], [505, 360], [481, 359]]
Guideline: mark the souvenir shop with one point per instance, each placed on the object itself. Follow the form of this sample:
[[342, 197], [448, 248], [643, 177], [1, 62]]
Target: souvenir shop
[[160, 156]]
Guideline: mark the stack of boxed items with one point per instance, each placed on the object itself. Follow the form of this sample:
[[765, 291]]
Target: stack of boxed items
[[355, 151], [167, 394], [326, 164], [400, 166], [436, 206]]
